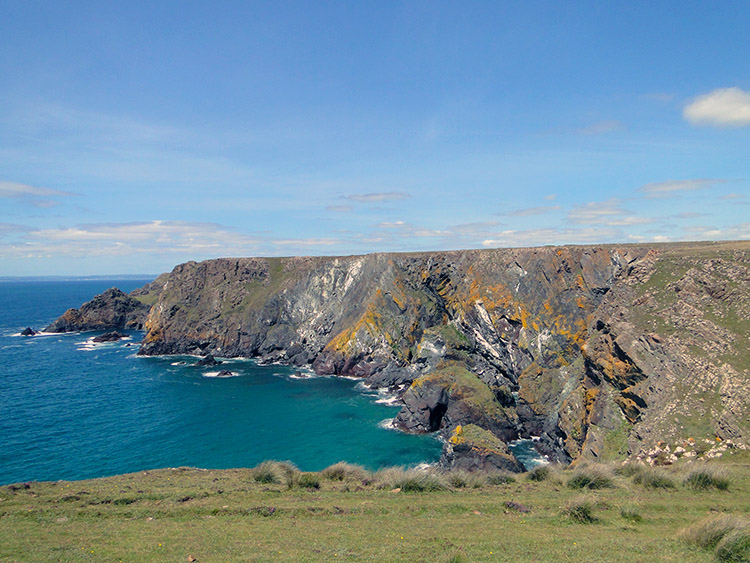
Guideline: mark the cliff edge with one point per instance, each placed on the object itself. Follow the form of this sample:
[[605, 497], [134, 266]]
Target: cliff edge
[[602, 352]]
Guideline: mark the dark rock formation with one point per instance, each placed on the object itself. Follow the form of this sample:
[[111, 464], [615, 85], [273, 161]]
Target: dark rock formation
[[113, 336], [28, 331], [208, 361], [599, 350], [112, 310], [224, 373]]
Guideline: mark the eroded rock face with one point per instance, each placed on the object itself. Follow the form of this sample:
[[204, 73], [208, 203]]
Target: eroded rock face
[[596, 350], [111, 310]]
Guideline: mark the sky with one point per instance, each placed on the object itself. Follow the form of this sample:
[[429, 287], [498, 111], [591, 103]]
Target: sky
[[138, 135]]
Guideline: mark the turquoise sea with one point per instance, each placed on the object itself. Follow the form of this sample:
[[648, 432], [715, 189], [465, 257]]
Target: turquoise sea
[[73, 410]]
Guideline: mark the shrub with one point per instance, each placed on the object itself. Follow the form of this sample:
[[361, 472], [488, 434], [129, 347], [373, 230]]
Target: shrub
[[500, 478], [592, 477], [580, 510], [651, 478], [710, 531], [539, 473], [387, 477], [343, 471], [735, 545], [706, 478]]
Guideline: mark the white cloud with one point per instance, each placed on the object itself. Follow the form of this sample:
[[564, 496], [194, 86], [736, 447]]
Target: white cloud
[[377, 197], [671, 187], [307, 242], [539, 237], [724, 107]]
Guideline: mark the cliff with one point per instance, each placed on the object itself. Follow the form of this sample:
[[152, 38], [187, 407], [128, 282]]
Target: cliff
[[601, 351]]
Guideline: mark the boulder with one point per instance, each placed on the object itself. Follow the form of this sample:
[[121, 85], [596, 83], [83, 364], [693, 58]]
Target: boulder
[[28, 331]]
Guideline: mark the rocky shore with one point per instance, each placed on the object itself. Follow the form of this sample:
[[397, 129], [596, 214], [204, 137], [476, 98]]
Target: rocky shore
[[600, 351]]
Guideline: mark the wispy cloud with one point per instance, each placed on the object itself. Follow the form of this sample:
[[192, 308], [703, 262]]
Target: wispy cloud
[[724, 107], [339, 208], [673, 187], [119, 239], [597, 212], [528, 211], [37, 196], [377, 197]]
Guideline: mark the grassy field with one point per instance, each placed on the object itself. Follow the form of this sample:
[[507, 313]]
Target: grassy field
[[276, 513]]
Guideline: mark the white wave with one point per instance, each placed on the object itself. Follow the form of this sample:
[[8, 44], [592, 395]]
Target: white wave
[[216, 374], [178, 364], [389, 400], [303, 375], [389, 424]]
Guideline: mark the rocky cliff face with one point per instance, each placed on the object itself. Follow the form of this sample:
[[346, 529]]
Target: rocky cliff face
[[600, 351]]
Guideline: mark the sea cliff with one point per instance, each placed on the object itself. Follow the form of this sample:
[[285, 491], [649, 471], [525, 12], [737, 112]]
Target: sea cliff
[[602, 352]]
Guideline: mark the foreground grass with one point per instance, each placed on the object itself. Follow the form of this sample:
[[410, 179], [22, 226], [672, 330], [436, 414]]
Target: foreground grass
[[243, 515]]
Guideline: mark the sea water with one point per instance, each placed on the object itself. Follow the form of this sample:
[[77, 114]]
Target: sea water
[[72, 409]]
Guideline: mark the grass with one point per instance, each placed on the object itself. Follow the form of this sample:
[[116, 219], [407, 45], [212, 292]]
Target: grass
[[727, 535], [231, 515], [703, 478], [591, 477]]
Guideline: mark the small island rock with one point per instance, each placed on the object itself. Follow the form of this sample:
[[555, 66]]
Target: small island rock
[[208, 361], [113, 336], [28, 331]]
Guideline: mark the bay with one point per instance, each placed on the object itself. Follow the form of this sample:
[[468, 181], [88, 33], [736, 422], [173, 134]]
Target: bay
[[73, 410]]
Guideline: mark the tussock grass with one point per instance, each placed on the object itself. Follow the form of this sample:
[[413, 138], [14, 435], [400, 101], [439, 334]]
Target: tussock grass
[[735, 545], [710, 532], [500, 478], [539, 473], [703, 478], [460, 479], [343, 471], [270, 472], [580, 509], [591, 477], [654, 478]]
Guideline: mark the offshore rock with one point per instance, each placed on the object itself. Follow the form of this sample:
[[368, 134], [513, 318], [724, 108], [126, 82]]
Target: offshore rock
[[28, 331], [113, 336], [599, 351], [113, 309], [208, 361]]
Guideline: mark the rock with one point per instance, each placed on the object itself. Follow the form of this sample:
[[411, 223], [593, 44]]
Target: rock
[[224, 373], [113, 336], [28, 331], [208, 361], [113, 309]]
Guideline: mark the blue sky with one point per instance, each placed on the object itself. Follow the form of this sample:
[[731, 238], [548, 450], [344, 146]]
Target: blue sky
[[138, 135]]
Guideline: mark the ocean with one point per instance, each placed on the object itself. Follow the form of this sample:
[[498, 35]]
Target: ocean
[[70, 409]]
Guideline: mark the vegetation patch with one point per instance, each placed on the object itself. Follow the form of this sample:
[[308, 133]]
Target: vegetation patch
[[591, 477], [704, 478]]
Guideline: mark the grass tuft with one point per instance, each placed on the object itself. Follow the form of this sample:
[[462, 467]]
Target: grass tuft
[[591, 477], [710, 531], [539, 473], [460, 479], [735, 545], [704, 478], [500, 478], [580, 510], [631, 513], [343, 471], [653, 478]]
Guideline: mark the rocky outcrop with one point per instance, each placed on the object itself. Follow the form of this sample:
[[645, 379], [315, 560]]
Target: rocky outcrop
[[112, 336], [112, 310], [599, 351], [28, 331]]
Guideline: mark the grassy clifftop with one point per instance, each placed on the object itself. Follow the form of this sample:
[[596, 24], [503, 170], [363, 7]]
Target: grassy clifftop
[[274, 513]]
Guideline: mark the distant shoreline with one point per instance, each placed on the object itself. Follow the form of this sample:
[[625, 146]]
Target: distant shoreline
[[9, 279]]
